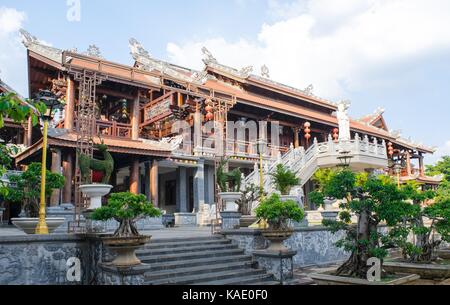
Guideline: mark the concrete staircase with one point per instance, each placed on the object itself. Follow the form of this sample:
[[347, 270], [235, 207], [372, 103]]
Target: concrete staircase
[[200, 261]]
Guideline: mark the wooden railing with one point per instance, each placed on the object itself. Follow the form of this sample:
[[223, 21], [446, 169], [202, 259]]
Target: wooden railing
[[113, 129]]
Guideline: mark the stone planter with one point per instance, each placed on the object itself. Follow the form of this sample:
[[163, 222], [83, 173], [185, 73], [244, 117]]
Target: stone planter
[[230, 198], [425, 271], [328, 204], [125, 248], [230, 220], [276, 238], [289, 197], [95, 192], [28, 225], [329, 215], [328, 279], [444, 253]]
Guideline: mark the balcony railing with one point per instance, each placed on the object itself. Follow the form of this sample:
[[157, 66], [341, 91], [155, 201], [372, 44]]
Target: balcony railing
[[107, 128]]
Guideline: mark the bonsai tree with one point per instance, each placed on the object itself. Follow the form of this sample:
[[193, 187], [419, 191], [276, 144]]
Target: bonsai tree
[[277, 213], [250, 194], [25, 188], [425, 241], [373, 200], [126, 208], [5, 163], [322, 178], [228, 181], [284, 179]]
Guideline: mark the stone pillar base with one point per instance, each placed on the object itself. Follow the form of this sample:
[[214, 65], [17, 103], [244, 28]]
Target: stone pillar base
[[185, 219], [112, 275], [280, 264], [230, 220]]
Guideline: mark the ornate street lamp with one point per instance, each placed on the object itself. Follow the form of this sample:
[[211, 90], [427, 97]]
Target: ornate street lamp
[[261, 146], [344, 158], [51, 101]]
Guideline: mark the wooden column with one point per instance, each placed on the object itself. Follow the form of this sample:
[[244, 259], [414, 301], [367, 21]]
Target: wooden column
[[134, 176], [29, 132], [421, 166], [69, 110], [408, 163], [68, 167], [135, 118], [154, 183], [56, 168], [296, 137]]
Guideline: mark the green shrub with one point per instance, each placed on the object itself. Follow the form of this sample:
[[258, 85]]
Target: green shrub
[[284, 179], [277, 213], [126, 208]]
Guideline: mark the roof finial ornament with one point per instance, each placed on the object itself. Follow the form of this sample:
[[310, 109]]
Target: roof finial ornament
[[207, 56], [265, 71], [308, 90], [137, 50], [27, 38], [94, 51], [245, 72]]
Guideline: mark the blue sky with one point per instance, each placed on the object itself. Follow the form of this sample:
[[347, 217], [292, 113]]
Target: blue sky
[[377, 53]]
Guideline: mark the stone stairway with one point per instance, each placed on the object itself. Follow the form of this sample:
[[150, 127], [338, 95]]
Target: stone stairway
[[200, 261]]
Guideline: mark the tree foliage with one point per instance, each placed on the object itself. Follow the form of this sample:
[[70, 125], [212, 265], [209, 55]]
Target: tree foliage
[[284, 179], [12, 107], [278, 213], [441, 167], [25, 188], [373, 200], [126, 208]]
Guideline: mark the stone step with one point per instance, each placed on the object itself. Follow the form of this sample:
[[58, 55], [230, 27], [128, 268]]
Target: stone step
[[211, 276], [163, 265], [167, 274], [186, 239], [244, 280], [172, 245], [149, 259], [191, 249]]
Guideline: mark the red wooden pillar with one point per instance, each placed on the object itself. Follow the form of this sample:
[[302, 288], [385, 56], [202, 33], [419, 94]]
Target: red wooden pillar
[[134, 177]]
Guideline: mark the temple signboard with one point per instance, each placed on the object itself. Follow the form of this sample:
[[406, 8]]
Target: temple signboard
[[159, 110]]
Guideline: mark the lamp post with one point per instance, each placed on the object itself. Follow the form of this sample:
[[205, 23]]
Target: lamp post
[[52, 103], [261, 146], [398, 170], [344, 158]]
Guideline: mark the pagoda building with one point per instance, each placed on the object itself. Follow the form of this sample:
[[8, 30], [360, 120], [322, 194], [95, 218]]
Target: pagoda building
[[166, 126]]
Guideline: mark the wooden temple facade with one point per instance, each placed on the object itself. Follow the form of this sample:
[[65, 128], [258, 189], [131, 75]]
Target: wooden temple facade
[[136, 112]]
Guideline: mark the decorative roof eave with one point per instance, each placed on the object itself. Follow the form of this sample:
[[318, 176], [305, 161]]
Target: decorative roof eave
[[245, 76], [145, 62], [38, 47]]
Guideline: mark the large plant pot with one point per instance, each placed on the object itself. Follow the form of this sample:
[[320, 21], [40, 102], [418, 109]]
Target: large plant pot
[[329, 215], [444, 253], [95, 192], [28, 225], [276, 238], [230, 199], [328, 204], [125, 248], [284, 198], [425, 271], [328, 279]]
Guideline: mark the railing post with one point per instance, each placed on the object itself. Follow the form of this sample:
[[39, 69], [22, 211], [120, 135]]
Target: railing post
[[357, 140], [384, 151], [331, 148]]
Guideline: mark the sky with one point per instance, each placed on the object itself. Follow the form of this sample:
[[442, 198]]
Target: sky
[[393, 54]]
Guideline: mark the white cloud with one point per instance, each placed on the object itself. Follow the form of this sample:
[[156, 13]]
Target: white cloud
[[12, 53], [334, 46], [443, 150]]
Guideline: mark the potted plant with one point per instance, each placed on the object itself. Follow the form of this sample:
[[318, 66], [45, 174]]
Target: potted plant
[[126, 208], [284, 179], [278, 214], [100, 168], [24, 189], [374, 200], [229, 184], [322, 178], [420, 255], [250, 194]]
